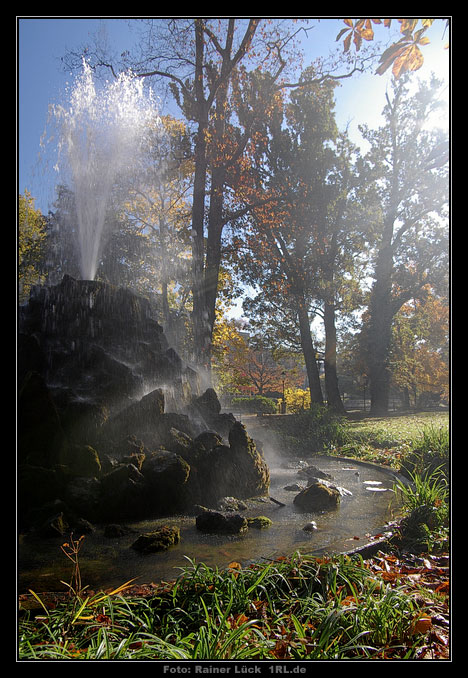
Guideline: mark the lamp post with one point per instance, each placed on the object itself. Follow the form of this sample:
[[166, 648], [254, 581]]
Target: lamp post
[[364, 380], [283, 404]]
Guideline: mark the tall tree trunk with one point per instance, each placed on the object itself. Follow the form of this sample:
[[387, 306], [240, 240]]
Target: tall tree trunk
[[380, 329], [309, 354], [198, 205], [205, 280], [213, 259], [331, 378]]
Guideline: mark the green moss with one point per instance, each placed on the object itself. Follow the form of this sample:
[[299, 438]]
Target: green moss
[[260, 522], [159, 540]]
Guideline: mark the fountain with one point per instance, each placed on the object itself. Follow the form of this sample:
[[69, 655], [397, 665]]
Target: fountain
[[101, 136]]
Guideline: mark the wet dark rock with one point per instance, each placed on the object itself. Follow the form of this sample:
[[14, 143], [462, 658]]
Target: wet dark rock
[[207, 408], [342, 490], [83, 460], [294, 487], [231, 504], [37, 486], [208, 440], [114, 531], [159, 540], [259, 522], [54, 526], [318, 497], [216, 522], [249, 472], [208, 403], [123, 493], [313, 472], [83, 495], [198, 508], [87, 351], [82, 526], [82, 420], [142, 415], [33, 358], [234, 470], [165, 471], [42, 441]]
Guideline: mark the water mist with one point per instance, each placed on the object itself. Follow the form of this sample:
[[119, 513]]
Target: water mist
[[102, 133]]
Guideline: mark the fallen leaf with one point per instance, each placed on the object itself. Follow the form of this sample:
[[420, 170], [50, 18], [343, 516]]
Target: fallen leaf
[[422, 625]]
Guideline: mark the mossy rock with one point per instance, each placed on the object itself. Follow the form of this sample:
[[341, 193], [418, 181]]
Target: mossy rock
[[159, 540], [213, 521], [260, 522], [318, 497], [54, 526], [83, 460]]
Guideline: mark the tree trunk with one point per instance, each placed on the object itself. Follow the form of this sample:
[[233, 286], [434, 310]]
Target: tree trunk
[[380, 330], [211, 272], [331, 378], [309, 354], [198, 205]]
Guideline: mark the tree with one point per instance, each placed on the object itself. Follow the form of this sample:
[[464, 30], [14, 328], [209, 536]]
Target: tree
[[31, 240], [304, 242], [419, 351], [157, 205], [407, 168]]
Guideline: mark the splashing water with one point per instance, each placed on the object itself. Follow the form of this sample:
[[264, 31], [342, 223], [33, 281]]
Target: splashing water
[[102, 134]]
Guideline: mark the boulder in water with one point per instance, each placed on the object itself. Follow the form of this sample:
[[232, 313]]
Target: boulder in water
[[318, 497], [214, 521], [158, 540]]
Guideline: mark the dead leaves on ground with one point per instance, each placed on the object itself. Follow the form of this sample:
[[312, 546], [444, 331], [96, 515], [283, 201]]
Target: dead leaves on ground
[[427, 580]]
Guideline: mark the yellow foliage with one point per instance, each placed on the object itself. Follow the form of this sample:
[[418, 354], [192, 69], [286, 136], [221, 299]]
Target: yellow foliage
[[297, 399]]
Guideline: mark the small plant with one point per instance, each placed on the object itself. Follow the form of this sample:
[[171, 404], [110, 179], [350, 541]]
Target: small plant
[[72, 549], [427, 489], [430, 450], [425, 501]]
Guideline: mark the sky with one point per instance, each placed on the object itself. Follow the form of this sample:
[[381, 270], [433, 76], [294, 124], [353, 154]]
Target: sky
[[41, 81]]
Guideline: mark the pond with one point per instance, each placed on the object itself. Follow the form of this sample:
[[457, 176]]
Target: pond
[[108, 562]]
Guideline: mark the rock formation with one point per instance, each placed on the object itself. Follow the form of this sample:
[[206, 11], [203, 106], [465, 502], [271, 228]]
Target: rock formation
[[112, 424]]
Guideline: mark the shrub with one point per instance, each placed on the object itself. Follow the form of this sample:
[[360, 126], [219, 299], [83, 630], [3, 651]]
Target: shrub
[[254, 405], [297, 399], [431, 451], [317, 429]]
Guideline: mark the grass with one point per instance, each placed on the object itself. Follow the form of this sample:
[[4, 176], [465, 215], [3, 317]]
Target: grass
[[415, 439], [296, 608]]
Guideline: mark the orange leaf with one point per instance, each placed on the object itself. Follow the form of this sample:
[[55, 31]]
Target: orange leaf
[[349, 600], [408, 25], [411, 59], [421, 625], [241, 619], [390, 576]]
